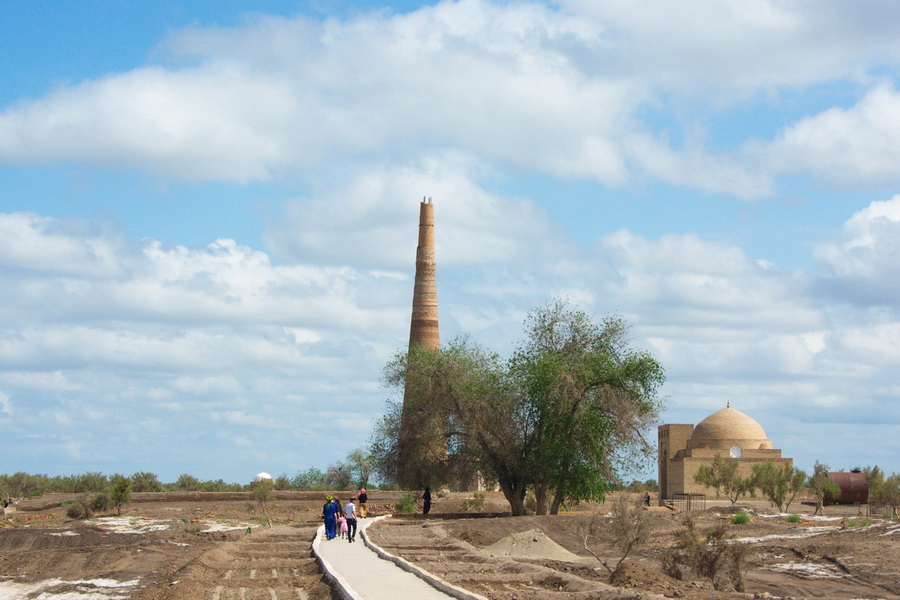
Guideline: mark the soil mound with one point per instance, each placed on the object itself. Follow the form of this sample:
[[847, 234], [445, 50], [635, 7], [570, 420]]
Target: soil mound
[[530, 544]]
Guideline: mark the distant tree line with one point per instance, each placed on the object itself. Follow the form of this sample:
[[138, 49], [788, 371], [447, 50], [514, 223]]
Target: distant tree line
[[355, 471], [780, 483]]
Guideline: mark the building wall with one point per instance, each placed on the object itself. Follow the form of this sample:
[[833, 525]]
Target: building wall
[[678, 464], [683, 472], [672, 438]]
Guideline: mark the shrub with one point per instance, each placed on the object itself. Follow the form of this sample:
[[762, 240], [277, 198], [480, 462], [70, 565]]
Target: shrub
[[78, 510], [794, 518], [863, 522], [740, 518], [716, 556], [405, 504], [629, 529], [101, 502], [474, 504]]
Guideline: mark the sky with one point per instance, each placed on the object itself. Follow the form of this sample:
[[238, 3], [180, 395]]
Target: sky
[[208, 214]]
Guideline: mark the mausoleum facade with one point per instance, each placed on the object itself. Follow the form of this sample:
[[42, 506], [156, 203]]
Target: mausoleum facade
[[726, 433]]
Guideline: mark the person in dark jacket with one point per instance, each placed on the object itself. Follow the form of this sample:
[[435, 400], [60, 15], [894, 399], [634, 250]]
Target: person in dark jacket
[[427, 498], [361, 503]]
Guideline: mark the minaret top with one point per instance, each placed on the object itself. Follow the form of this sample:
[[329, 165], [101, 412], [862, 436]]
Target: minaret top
[[423, 328]]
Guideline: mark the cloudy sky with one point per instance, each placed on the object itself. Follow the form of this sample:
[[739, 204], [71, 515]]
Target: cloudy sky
[[208, 214]]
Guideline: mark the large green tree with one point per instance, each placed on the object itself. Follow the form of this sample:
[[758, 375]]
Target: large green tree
[[589, 396], [562, 415]]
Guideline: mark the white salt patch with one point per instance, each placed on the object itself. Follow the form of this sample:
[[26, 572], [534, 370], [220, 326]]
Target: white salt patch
[[68, 532], [86, 589], [803, 517], [213, 527], [801, 533], [130, 524], [808, 570]]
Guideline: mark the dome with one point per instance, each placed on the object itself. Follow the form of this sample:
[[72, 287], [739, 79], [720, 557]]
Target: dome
[[728, 426]]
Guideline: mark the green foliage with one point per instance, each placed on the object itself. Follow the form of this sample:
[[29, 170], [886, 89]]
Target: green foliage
[[740, 518], [405, 504], [823, 488], [80, 508], [585, 393], [794, 518], [722, 475], [264, 493], [187, 483], [473, 504], [339, 476], [282, 482], [561, 417], [119, 492], [145, 482], [861, 522], [779, 483], [638, 487], [361, 464], [887, 492], [100, 502], [310, 479]]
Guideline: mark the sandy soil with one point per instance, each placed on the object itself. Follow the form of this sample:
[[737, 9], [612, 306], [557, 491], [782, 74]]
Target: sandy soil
[[815, 558], [217, 547]]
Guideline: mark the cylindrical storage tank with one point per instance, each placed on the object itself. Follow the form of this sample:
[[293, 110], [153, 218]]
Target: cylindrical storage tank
[[854, 487]]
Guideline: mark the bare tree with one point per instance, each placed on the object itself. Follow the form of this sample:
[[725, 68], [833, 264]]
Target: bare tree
[[629, 528]]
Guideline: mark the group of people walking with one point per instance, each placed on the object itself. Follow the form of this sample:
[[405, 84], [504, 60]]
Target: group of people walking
[[340, 519]]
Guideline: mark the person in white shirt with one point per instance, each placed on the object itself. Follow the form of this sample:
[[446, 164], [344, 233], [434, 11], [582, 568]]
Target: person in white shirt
[[350, 514]]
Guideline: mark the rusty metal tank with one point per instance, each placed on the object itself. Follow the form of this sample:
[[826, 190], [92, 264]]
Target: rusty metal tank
[[854, 487]]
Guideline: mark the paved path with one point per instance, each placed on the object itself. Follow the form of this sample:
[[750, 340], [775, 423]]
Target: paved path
[[364, 575]]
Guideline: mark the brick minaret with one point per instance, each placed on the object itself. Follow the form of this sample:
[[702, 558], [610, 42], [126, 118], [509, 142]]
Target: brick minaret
[[423, 327], [420, 443]]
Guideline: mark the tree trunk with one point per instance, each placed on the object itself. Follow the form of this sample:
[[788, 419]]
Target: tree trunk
[[557, 501], [540, 499], [515, 495]]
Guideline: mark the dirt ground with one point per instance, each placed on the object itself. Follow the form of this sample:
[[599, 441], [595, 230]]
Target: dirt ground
[[219, 547]]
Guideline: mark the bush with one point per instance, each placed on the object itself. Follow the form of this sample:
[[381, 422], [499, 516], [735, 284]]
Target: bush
[[863, 522], [474, 504], [628, 530], [405, 504], [794, 518], [78, 510], [101, 502], [713, 556], [740, 518]]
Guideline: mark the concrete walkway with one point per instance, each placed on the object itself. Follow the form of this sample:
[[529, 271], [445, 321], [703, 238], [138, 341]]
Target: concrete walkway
[[363, 575]]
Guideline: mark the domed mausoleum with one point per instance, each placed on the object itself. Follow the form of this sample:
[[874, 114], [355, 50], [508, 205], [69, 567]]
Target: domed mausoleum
[[727, 433]]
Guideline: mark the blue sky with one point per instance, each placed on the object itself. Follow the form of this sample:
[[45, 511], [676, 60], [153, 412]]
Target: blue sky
[[208, 214]]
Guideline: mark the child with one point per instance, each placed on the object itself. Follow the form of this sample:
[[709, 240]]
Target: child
[[342, 521]]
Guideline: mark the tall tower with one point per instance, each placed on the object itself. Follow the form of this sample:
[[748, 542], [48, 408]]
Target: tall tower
[[421, 442], [423, 327]]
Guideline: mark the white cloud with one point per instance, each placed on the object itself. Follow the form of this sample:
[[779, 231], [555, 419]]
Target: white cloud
[[845, 146], [368, 220], [561, 91]]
